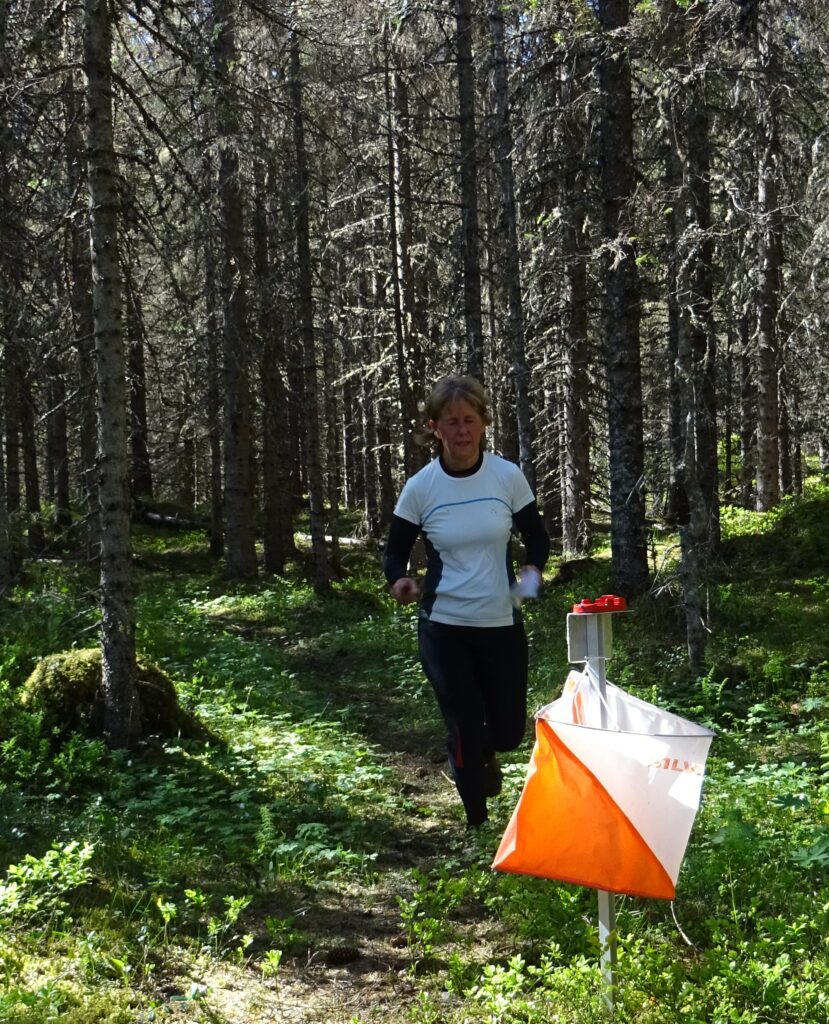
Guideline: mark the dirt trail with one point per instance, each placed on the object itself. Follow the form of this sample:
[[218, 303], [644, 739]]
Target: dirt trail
[[358, 966]]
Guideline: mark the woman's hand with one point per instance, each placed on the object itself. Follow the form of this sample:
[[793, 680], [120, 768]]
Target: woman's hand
[[405, 590], [526, 585], [530, 576]]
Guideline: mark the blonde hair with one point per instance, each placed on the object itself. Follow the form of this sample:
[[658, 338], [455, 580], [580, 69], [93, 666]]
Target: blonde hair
[[447, 390]]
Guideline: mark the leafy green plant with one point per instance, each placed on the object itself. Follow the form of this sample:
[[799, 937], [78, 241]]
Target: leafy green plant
[[270, 963], [425, 914], [319, 703], [36, 887]]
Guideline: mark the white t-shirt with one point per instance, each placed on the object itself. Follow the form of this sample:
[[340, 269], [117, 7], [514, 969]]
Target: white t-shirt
[[466, 523]]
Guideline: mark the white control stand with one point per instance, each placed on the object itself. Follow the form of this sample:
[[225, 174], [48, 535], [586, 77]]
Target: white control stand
[[590, 640]]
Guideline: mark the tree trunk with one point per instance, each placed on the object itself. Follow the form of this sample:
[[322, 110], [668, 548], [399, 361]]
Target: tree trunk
[[797, 460], [6, 575], [358, 354], [351, 431], [784, 432], [332, 439], [728, 413], [10, 289], [321, 573], [676, 508], [694, 523], [11, 383], [6, 561], [35, 536], [186, 461], [629, 558], [57, 442], [80, 301], [400, 263], [276, 456], [213, 404], [141, 471], [701, 286], [508, 273], [122, 721], [212, 391], [470, 240], [367, 409], [748, 412], [13, 376], [576, 525], [691, 278], [402, 236], [239, 519], [368, 432], [770, 262]]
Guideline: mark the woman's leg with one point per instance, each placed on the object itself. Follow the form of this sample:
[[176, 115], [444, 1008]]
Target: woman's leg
[[501, 667], [449, 660]]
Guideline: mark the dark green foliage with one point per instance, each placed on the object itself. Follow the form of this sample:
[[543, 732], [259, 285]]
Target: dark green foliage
[[320, 830]]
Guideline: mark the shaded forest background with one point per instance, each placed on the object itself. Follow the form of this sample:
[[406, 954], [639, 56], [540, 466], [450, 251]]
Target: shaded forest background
[[301, 214]]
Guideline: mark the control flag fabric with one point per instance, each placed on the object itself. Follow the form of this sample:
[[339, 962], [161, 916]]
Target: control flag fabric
[[607, 805]]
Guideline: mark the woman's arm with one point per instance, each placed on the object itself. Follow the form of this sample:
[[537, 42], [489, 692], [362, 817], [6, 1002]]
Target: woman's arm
[[533, 534], [402, 535]]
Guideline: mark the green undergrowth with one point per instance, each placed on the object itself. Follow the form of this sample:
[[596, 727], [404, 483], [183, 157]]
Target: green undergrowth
[[130, 881]]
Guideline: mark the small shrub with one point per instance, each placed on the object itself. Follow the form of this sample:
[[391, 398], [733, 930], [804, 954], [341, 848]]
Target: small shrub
[[35, 888]]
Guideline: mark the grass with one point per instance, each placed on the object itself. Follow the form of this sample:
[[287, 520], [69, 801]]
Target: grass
[[311, 865]]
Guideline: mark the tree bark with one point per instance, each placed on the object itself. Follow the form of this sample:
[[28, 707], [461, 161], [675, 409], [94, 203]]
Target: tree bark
[[239, 538], [470, 234], [507, 273], [786, 482], [701, 280], [797, 455], [6, 560], [10, 289], [728, 412], [401, 266], [35, 536], [122, 721], [332, 438], [676, 507], [6, 575], [769, 272], [141, 470], [369, 453], [576, 517], [368, 434], [11, 421], [276, 455], [691, 279], [629, 561], [11, 430], [321, 572], [79, 272], [210, 342], [213, 404], [748, 411], [57, 442]]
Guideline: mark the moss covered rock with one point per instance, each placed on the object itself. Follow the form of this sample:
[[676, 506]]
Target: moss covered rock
[[66, 689]]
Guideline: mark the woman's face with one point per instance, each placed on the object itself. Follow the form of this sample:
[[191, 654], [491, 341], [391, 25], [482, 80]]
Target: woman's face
[[459, 427]]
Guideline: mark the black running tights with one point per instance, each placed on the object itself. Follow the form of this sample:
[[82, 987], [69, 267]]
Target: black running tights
[[479, 676]]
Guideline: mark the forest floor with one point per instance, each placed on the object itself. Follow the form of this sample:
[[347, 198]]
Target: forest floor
[[358, 945], [309, 863], [354, 961]]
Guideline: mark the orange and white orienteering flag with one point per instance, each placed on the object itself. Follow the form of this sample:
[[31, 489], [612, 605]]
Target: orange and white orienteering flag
[[610, 797]]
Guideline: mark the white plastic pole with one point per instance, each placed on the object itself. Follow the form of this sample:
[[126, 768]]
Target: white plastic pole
[[607, 901], [590, 639]]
